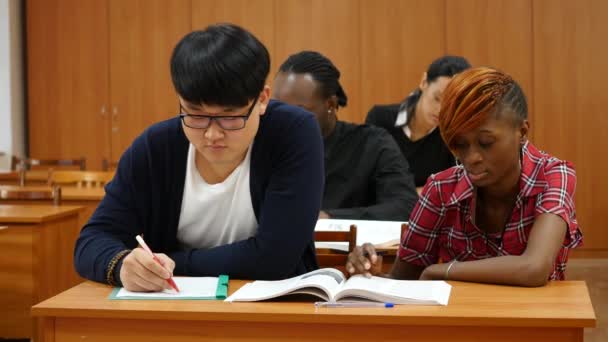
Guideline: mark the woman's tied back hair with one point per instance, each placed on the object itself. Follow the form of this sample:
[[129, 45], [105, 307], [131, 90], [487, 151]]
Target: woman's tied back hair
[[475, 94]]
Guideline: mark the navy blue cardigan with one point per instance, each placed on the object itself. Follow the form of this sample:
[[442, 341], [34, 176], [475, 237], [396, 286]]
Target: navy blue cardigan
[[145, 196]]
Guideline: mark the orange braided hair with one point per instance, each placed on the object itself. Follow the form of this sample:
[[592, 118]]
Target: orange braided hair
[[469, 99]]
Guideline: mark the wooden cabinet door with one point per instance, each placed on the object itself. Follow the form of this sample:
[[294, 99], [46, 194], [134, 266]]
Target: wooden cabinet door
[[569, 108], [67, 61], [143, 34]]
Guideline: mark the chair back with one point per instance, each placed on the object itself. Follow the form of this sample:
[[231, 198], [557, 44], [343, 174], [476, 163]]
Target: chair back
[[331, 258], [14, 193], [107, 165], [32, 163], [23, 178], [80, 179], [403, 229]]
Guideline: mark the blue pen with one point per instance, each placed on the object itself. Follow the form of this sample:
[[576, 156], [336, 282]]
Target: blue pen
[[353, 305]]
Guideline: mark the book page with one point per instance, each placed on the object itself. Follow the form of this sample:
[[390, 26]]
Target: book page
[[395, 291], [322, 283], [189, 288], [331, 272]]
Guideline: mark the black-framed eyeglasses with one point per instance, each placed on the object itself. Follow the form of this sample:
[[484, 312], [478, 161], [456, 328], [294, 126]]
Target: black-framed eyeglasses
[[229, 123]]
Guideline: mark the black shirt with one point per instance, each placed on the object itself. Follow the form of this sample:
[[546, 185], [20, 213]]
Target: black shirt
[[366, 177], [425, 156]]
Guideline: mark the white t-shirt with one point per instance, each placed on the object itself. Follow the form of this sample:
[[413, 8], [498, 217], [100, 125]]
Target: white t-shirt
[[216, 214]]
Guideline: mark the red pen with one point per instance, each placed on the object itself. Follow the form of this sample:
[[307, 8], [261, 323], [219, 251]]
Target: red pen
[[143, 245]]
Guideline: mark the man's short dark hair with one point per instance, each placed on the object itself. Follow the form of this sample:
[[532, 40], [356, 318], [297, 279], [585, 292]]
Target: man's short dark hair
[[222, 65]]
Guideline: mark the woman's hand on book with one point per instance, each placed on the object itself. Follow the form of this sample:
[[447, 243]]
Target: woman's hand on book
[[364, 260]]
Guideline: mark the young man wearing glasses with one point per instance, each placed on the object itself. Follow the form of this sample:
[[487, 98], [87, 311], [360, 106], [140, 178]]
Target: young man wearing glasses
[[233, 185]]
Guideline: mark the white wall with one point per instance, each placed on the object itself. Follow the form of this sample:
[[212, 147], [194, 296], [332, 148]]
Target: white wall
[[12, 85]]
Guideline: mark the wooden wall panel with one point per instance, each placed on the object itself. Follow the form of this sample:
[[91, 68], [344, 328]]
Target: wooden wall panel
[[399, 39], [67, 44], [496, 33], [331, 28], [143, 34], [255, 16], [570, 100]]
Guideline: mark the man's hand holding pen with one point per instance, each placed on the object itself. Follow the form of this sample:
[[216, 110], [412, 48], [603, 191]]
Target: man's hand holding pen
[[140, 272]]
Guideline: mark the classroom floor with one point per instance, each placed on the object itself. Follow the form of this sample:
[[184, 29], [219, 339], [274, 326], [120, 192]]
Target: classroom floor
[[595, 273]]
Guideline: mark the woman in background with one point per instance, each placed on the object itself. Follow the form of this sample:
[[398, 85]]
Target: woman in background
[[506, 215], [413, 122]]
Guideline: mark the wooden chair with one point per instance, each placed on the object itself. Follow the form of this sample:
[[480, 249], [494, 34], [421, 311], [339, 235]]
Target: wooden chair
[[23, 178], [107, 165], [27, 163], [329, 257], [13, 193], [80, 179], [403, 229]]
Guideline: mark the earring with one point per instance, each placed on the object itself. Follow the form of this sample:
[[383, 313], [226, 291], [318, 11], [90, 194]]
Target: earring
[[329, 111]]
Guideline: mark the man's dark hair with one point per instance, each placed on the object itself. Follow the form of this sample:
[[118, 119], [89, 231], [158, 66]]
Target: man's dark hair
[[221, 65], [321, 69]]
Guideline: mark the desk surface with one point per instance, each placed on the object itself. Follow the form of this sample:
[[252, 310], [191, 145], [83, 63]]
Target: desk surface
[[68, 193], [32, 213], [559, 304]]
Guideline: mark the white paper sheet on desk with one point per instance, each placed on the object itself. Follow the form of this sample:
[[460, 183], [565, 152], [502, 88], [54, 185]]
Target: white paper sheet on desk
[[382, 233], [189, 287]]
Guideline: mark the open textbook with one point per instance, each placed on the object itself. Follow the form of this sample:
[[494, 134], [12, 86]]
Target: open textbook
[[381, 234], [330, 285]]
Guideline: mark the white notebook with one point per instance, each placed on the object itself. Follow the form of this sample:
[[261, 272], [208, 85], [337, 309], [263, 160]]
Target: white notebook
[[208, 288], [330, 285]]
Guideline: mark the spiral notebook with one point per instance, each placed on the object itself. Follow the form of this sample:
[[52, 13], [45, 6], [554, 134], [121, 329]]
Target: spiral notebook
[[193, 288]]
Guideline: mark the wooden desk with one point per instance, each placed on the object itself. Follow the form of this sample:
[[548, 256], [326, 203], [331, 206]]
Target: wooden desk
[[557, 312], [36, 261], [88, 198]]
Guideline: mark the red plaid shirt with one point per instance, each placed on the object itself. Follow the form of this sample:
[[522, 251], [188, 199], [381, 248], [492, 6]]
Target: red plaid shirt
[[441, 225]]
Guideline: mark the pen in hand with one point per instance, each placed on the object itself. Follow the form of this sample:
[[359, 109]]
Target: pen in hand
[[143, 245]]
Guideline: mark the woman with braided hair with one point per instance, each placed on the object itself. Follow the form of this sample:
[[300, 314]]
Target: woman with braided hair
[[505, 214]]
